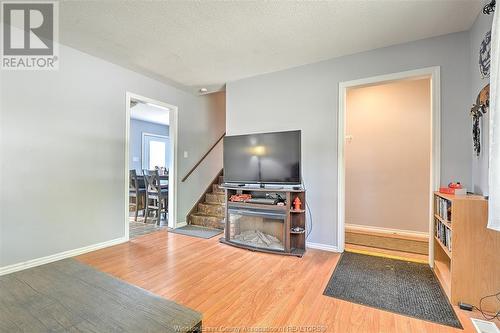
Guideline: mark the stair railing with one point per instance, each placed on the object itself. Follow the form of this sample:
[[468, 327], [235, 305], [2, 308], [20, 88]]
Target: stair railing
[[202, 158]]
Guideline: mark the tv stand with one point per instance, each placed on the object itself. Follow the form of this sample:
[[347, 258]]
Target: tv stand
[[278, 229]]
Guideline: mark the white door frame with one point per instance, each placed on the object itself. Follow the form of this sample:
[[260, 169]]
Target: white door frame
[[430, 72], [172, 167]]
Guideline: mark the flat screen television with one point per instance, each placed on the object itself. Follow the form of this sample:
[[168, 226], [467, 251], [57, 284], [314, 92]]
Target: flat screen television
[[266, 158]]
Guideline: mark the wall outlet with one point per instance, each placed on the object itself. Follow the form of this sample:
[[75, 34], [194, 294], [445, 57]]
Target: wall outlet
[[186, 155], [135, 159]]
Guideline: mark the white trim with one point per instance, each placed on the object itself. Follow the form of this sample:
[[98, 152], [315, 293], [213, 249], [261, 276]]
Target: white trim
[[395, 232], [434, 74], [143, 134], [172, 167], [180, 224], [59, 256], [323, 247], [155, 135]]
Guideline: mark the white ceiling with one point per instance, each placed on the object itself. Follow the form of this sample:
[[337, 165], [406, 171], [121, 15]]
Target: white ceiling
[[151, 113], [206, 43]]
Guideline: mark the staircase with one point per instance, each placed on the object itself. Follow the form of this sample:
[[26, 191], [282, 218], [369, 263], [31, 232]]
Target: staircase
[[210, 210]]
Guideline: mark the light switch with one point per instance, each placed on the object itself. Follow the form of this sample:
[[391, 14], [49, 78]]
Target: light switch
[[135, 159], [186, 155]]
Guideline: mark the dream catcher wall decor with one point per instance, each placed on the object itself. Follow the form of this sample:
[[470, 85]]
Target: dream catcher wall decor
[[485, 56], [477, 112]]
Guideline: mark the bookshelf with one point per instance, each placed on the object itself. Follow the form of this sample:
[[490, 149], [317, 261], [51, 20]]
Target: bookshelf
[[466, 260]]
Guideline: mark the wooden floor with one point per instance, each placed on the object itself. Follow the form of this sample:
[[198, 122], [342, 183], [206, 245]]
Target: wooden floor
[[138, 229], [238, 288]]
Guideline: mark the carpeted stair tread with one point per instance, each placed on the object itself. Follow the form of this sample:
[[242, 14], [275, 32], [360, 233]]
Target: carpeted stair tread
[[211, 211], [204, 220], [207, 215]]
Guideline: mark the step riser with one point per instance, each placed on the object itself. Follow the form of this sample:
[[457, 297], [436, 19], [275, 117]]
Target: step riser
[[208, 221], [216, 210], [217, 189], [215, 198]]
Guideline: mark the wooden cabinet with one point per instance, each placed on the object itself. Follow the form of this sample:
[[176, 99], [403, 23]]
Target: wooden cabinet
[[466, 254], [281, 226]]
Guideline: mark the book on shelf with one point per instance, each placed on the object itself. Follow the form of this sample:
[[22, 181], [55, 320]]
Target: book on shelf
[[443, 208], [443, 233]]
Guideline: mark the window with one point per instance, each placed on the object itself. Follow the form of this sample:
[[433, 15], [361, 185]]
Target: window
[[156, 154], [155, 151]]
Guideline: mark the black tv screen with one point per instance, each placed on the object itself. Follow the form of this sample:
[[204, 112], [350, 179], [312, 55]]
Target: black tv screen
[[267, 158]]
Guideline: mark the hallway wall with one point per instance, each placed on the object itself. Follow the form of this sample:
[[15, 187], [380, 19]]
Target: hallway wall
[[388, 159]]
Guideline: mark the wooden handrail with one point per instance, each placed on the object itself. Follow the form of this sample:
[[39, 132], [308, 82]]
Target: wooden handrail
[[202, 158]]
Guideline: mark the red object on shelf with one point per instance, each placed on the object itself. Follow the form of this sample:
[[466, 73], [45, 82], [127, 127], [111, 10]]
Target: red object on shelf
[[453, 190], [446, 190], [455, 185], [240, 197], [297, 203]]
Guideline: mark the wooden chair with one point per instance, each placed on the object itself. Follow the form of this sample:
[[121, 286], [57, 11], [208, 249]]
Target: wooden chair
[[156, 195], [136, 192]]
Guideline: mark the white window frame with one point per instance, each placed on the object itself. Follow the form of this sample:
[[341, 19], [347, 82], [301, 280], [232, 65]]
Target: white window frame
[[143, 155]]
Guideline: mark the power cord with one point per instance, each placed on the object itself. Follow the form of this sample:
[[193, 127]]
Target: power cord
[[488, 315], [308, 232], [311, 219]]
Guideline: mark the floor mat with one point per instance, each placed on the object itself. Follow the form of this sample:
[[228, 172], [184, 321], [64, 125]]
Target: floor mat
[[196, 231], [68, 296], [394, 285]]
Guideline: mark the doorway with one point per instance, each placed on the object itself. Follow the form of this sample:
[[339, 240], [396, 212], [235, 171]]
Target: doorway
[[388, 152], [151, 138]]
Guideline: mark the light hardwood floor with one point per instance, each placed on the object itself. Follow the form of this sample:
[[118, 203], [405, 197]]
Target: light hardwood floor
[[237, 288]]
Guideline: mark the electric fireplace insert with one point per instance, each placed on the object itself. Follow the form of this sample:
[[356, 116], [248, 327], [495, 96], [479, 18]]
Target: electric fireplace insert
[[257, 228]]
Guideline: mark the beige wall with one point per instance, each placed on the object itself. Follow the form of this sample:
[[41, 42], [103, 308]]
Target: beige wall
[[387, 160]]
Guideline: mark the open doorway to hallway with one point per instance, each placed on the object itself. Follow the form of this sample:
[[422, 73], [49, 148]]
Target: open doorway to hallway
[[387, 159], [388, 167], [151, 166]]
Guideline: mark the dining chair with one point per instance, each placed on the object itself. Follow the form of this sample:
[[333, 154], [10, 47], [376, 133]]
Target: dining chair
[[156, 195], [136, 192]]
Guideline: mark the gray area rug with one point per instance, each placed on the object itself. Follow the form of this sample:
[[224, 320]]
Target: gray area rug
[[196, 231], [137, 229], [68, 296], [398, 286]]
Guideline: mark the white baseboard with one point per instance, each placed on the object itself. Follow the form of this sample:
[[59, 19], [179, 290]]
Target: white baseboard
[[180, 224], [424, 236], [323, 247], [58, 256]]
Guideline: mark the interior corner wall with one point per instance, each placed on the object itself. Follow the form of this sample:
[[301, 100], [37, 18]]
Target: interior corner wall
[[306, 98], [62, 150], [480, 163]]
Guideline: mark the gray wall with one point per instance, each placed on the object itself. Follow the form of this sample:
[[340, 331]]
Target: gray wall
[[479, 163], [306, 98], [137, 127], [56, 125]]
